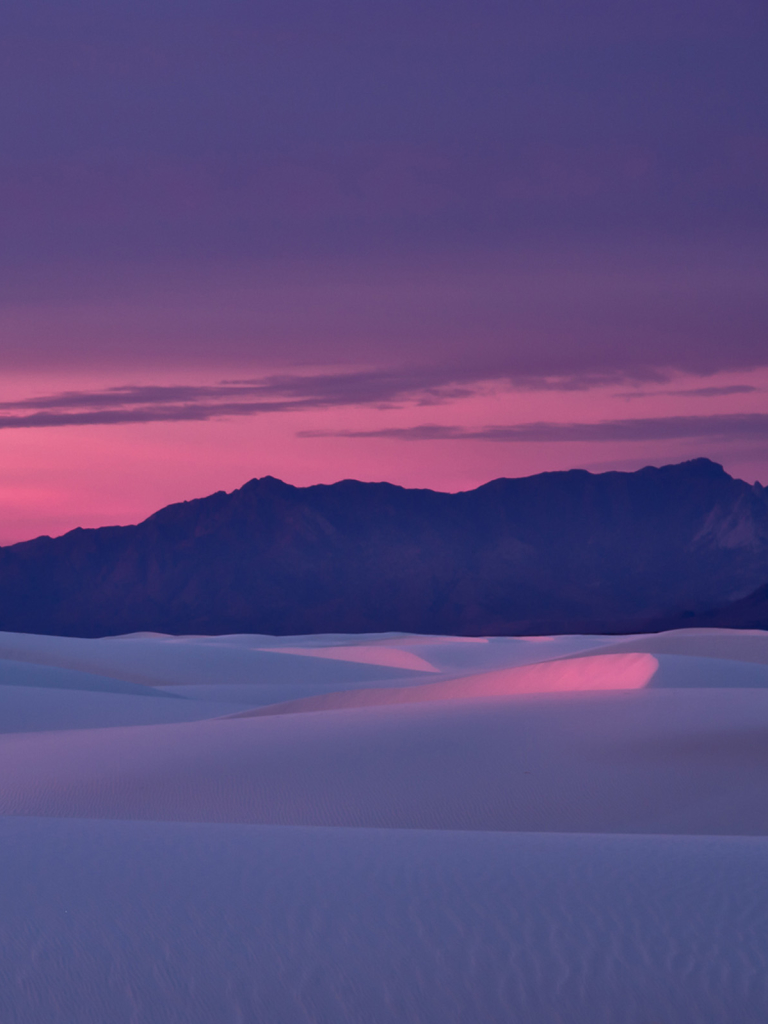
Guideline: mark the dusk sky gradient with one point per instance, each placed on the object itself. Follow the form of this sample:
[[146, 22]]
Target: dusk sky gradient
[[432, 243]]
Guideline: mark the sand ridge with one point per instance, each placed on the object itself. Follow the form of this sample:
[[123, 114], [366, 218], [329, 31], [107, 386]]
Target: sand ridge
[[630, 671]]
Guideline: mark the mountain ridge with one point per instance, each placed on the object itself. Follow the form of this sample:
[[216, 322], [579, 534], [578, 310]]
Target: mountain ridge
[[555, 552]]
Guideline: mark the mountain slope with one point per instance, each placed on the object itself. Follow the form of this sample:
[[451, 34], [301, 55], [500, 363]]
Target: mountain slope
[[557, 552], [750, 612]]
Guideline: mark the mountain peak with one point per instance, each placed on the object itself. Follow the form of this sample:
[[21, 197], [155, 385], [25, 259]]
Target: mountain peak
[[265, 485], [701, 467], [553, 553]]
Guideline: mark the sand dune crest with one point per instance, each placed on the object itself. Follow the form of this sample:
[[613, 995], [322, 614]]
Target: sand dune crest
[[599, 672]]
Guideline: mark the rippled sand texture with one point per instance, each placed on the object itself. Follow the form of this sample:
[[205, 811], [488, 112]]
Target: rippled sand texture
[[384, 829]]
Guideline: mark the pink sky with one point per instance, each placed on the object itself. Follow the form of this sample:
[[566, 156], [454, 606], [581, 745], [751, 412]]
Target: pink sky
[[446, 240], [57, 477]]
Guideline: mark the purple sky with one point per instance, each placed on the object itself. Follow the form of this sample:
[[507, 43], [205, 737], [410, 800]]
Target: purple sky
[[429, 242]]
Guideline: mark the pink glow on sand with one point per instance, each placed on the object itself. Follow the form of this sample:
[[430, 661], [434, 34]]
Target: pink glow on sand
[[595, 673], [390, 657]]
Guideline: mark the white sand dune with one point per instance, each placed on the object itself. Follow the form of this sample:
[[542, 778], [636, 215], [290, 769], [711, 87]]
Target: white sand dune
[[162, 661], [385, 828], [26, 674], [35, 709], [256, 695], [366, 654], [661, 761], [750, 645], [497, 652], [677, 671], [600, 672], [126, 922]]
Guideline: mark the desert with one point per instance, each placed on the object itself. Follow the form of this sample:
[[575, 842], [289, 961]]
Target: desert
[[385, 828]]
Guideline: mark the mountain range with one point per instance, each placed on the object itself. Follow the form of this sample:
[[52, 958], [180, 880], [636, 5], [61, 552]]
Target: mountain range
[[557, 552]]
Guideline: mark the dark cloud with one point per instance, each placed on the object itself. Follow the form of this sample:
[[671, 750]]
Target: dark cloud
[[377, 388], [181, 412], [715, 392], [277, 393], [730, 426], [711, 392], [286, 392]]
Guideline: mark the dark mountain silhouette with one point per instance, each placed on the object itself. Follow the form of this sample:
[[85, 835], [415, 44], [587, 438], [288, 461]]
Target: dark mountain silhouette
[[557, 552], [751, 612]]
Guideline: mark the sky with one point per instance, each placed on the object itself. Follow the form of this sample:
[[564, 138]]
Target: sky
[[430, 243]]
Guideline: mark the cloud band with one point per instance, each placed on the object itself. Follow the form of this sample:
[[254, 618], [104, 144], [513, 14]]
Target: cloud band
[[662, 428]]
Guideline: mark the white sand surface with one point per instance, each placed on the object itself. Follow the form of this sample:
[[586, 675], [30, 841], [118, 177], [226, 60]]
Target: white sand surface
[[662, 761], [366, 654], [125, 922], [27, 674], [749, 645], [385, 828], [630, 671], [676, 671], [165, 661], [256, 695], [34, 709]]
